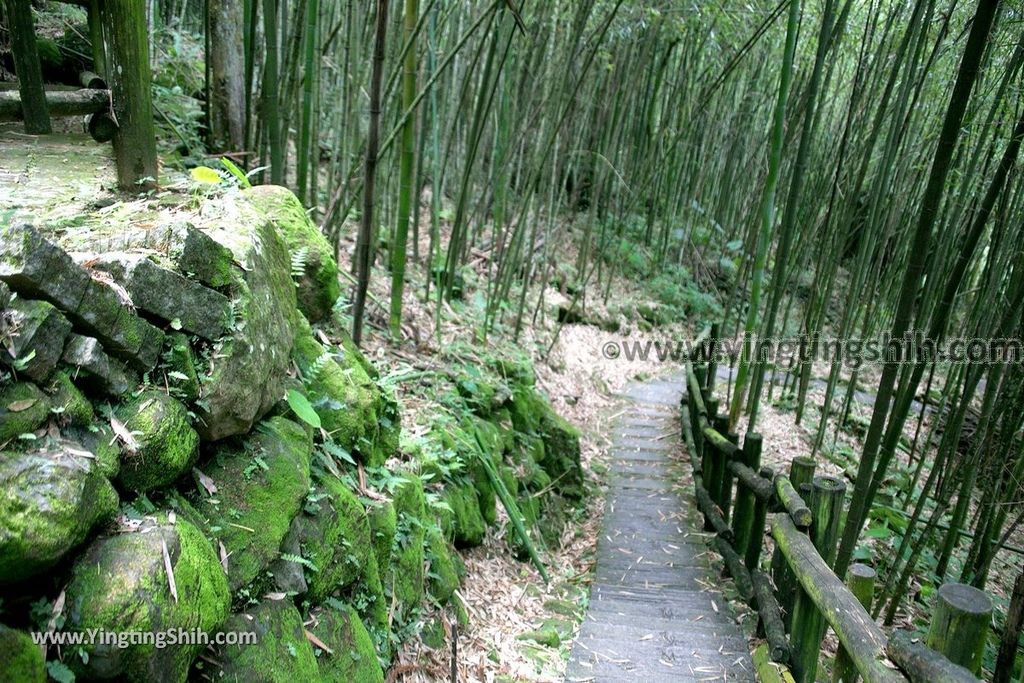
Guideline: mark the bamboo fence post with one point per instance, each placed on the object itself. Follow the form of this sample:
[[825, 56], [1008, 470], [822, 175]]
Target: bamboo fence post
[[861, 581], [808, 624], [724, 493], [757, 523], [750, 455], [801, 470], [960, 623], [712, 364]]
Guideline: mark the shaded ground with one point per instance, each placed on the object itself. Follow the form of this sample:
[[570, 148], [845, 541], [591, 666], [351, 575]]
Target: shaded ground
[[53, 176]]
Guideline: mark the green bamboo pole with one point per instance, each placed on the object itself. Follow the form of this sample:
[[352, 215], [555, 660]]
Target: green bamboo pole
[[960, 623], [405, 190]]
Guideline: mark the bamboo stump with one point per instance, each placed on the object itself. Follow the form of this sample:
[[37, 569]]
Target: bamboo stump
[[960, 623]]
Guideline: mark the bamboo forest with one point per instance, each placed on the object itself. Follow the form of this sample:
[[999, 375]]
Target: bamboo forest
[[369, 341]]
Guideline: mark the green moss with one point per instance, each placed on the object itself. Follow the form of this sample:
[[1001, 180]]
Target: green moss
[[443, 575], [74, 408], [359, 415], [433, 634], [353, 657], [465, 524], [180, 362], [260, 490], [281, 654], [167, 446], [49, 503], [23, 408], [533, 416], [310, 250], [120, 584], [99, 440], [405, 579], [21, 660], [383, 525], [336, 539], [547, 636]]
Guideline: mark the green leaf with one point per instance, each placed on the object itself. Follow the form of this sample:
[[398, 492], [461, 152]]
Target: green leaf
[[60, 672], [205, 175], [233, 169], [301, 407]]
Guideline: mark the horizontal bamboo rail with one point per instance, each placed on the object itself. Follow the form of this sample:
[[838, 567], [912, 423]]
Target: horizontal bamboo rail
[[803, 596]]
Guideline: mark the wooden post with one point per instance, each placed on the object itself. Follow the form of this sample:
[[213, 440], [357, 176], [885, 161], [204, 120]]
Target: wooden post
[[960, 623], [808, 624], [801, 471], [756, 540], [124, 27], [724, 492], [27, 69], [1011, 633], [861, 580], [712, 365], [741, 516]]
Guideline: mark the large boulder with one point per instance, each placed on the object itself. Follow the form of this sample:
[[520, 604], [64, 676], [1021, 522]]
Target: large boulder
[[260, 489], [21, 660], [50, 500], [281, 652], [353, 657], [248, 367], [312, 256], [358, 414], [123, 583], [163, 446]]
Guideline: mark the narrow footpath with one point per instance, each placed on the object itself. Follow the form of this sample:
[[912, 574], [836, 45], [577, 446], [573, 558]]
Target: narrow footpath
[[656, 611]]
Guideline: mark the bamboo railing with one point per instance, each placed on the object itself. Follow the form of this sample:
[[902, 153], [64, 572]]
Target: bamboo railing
[[743, 502]]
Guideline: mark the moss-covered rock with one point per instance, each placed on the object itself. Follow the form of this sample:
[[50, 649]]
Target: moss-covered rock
[[465, 523], [182, 376], [562, 455], [260, 489], [310, 250], [281, 653], [21, 660], [99, 440], [23, 408], [121, 584], [532, 415], [383, 525], [334, 534], [70, 404], [405, 578], [50, 501], [443, 572], [360, 416], [353, 657], [253, 359], [165, 445]]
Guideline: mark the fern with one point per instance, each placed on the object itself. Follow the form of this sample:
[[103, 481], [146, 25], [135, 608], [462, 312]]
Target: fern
[[298, 559], [299, 259]]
